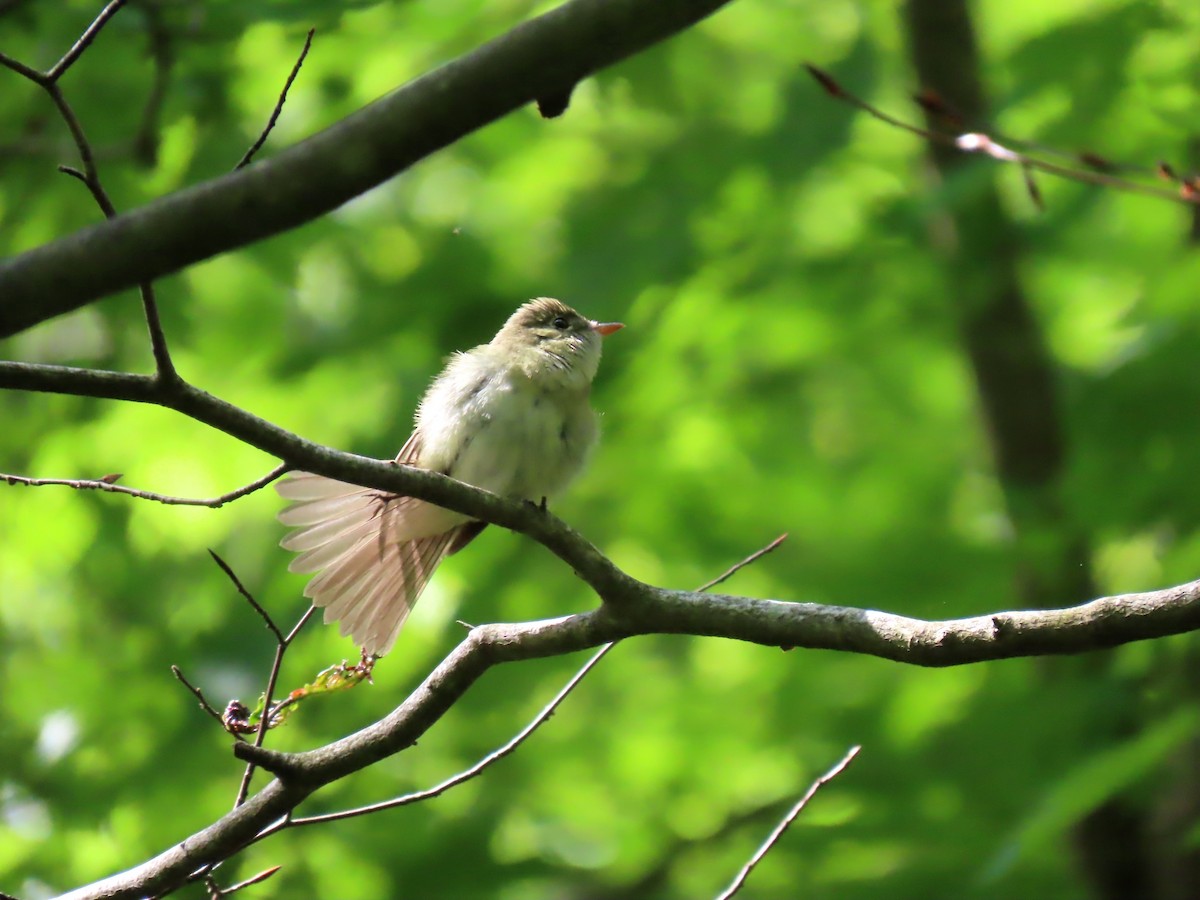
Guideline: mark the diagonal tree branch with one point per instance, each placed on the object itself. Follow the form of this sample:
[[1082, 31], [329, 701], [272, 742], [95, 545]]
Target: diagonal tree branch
[[296, 452], [541, 57], [777, 833]]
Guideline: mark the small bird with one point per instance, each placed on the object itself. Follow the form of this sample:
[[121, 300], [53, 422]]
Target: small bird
[[511, 416]]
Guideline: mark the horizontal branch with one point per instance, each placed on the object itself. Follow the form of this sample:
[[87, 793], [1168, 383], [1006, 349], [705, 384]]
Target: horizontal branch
[[545, 56], [108, 484], [643, 609]]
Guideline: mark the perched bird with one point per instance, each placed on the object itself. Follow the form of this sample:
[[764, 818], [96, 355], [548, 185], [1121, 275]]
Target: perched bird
[[511, 416]]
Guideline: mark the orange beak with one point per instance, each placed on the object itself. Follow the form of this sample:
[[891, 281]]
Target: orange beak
[[607, 328]]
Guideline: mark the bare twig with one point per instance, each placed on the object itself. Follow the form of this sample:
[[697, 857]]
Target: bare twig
[[268, 698], [1093, 169], [466, 775], [23, 70], [85, 40], [737, 567], [262, 138], [783, 826], [215, 892], [291, 635], [90, 174], [634, 608], [196, 692], [108, 484], [249, 598]]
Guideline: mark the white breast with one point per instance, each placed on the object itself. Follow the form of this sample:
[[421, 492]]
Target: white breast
[[509, 434]]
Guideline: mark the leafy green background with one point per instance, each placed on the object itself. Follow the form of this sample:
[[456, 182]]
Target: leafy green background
[[792, 362]]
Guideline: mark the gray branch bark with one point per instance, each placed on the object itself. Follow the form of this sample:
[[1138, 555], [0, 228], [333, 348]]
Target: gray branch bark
[[633, 608]]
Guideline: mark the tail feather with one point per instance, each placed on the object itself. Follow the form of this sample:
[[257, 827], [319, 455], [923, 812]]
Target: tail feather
[[418, 559], [373, 553], [358, 604], [311, 512], [323, 555], [320, 533], [307, 486]]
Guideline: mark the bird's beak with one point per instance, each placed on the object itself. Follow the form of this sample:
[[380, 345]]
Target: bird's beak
[[607, 328]]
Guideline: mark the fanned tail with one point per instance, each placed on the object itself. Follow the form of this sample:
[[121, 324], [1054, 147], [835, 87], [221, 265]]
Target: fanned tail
[[374, 552]]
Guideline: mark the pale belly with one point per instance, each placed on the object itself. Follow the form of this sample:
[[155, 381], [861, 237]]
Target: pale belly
[[517, 441]]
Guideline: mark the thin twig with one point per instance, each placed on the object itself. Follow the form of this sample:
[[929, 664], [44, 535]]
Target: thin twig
[[783, 826], [218, 892], [85, 40], [262, 138], [199, 695], [736, 567], [268, 697], [241, 589], [474, 770], [980, 142], [291, 635], [164, 368], [90, 174], [23, 70], [107, 484]]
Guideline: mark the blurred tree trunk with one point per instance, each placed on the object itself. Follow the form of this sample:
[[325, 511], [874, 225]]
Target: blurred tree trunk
[[1018, 393], [1177, 857]]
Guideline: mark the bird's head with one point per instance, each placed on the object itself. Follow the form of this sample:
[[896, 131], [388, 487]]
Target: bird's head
[[553, 341]]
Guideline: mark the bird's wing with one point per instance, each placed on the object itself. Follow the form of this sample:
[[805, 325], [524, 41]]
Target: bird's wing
[[374, 551]]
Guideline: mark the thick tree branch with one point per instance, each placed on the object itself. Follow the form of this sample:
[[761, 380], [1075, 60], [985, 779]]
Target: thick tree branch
[[541, 57], [540, 719], [643, 609]]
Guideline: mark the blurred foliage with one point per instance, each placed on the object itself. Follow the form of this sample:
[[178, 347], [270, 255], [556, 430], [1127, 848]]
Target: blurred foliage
[[791, 364]]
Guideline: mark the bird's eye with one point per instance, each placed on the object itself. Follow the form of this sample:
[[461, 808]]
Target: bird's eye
[[560, 322]]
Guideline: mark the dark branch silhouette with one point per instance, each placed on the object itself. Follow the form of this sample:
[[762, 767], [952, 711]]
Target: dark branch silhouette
[[541, 57], [287, 86]]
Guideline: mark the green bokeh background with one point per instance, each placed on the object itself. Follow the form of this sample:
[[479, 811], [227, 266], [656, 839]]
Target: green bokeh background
[[792, 362]]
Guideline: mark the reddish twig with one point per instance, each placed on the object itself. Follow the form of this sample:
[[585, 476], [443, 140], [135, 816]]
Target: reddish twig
[[783, 826], [1091, 169], [196, 692]]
